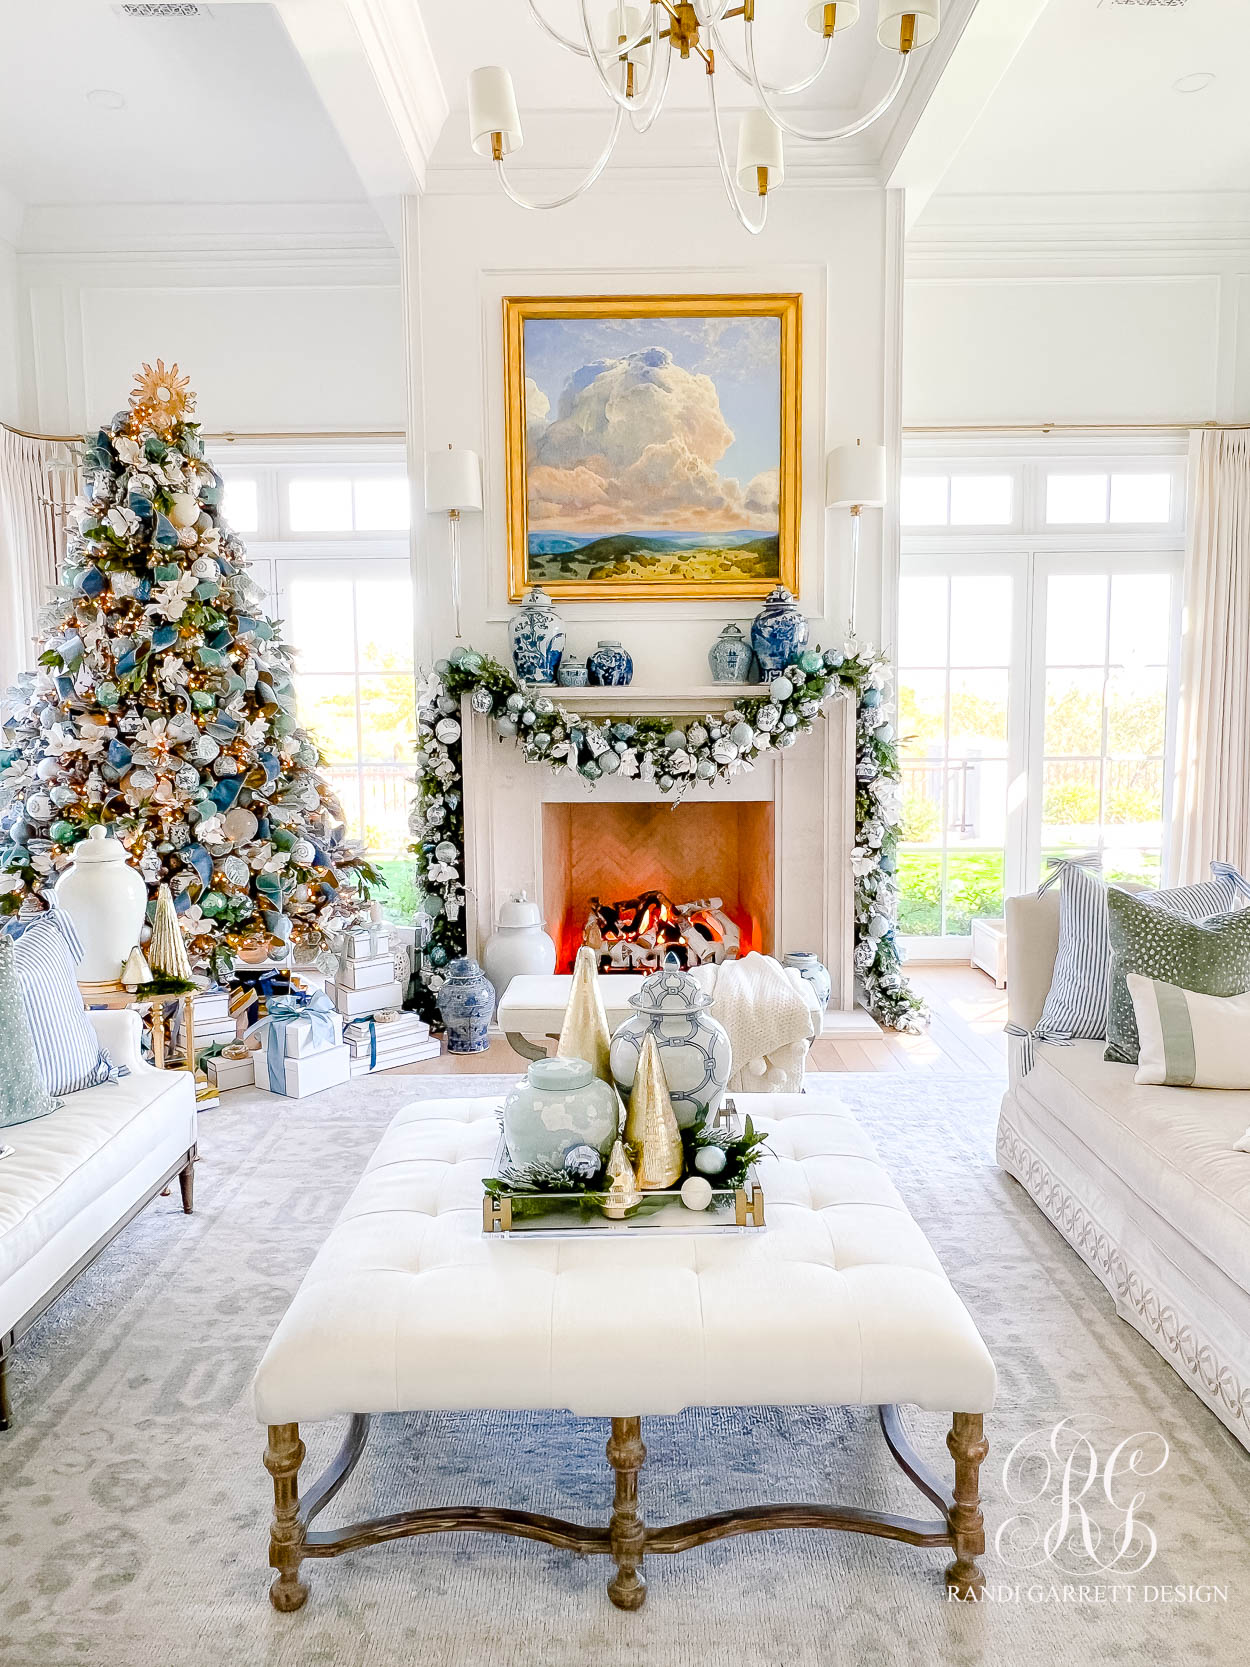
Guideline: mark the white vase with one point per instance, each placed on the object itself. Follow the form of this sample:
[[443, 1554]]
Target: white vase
[[694, 1047], [106, 900], [520, 945]]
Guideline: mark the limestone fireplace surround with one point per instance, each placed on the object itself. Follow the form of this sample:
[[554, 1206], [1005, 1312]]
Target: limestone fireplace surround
[[774, 842]]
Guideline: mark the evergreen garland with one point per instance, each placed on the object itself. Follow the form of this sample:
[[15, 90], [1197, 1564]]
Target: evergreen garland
[[677, 755]]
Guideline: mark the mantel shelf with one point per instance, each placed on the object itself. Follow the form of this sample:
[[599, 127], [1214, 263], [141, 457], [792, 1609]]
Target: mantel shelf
[[637, 697]]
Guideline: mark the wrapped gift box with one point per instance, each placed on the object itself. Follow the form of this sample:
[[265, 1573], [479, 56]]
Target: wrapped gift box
[[356, 1004], [231, 1073], [301, 1042], [409, 1056], [365, 943], [309, 1075], [367, 974]]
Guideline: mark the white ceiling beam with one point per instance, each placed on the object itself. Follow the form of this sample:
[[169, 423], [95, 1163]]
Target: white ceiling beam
[[989, 41], [373, 67]]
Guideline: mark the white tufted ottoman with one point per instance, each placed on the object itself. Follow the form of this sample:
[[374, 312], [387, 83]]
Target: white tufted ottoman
[[408, 1307]]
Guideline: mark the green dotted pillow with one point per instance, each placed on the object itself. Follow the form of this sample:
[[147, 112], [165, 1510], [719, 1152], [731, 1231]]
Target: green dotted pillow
[[1211, 957]]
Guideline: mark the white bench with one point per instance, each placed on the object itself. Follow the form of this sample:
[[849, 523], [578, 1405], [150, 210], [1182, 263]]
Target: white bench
[[408, 1307]]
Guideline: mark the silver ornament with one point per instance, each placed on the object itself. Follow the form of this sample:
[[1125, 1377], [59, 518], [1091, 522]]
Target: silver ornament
[[205, 750], [186, 778], [303, 852], [235, 871], [447, 731], [481, 700]]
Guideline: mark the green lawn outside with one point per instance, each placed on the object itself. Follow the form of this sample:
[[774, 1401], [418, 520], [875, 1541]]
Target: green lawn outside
[[399, 900], [975, 886]]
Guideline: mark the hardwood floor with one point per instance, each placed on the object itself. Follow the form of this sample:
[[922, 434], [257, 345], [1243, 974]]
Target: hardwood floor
[[965, 1035]]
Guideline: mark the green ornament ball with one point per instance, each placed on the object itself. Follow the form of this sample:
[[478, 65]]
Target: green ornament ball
[[62, 831], [212, 903], [812, 661]]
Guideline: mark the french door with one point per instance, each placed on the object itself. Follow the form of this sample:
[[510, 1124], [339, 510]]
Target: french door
[[1036, 715]]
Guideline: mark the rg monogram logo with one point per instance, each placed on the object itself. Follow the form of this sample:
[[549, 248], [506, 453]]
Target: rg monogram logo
[[1077, 1512]]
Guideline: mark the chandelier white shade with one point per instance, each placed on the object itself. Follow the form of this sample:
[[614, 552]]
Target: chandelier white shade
[[830, 19], [494, 121], [855, 476], [631, 49], [914, 22], [759, 147]]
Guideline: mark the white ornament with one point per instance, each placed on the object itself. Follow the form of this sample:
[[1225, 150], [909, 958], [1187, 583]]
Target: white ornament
[[696, 1192], [183, 510]]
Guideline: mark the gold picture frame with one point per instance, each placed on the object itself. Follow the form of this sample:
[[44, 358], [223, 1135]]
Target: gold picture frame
[[638, 493]]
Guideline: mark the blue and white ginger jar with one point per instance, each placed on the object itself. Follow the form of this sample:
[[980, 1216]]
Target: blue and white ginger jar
[[574, 673], [610, 665], [537, 636], [812, 970], [778, 632], [694, 1048], [466, 1002], [731, 656], [559, 1106]]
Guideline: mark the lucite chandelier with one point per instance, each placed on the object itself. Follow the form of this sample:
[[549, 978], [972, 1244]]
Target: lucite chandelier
[[633, 56]]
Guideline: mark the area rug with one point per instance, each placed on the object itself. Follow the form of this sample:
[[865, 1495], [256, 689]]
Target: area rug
[[134, 1507]]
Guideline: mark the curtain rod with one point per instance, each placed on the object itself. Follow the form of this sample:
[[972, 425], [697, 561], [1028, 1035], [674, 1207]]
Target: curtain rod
[[1062, 428], [230, 436]]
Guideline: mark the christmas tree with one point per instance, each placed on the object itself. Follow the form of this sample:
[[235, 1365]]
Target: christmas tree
[[164, 706]]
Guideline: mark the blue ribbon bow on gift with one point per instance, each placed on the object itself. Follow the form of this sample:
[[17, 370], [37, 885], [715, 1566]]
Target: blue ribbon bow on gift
[[313, 1005]]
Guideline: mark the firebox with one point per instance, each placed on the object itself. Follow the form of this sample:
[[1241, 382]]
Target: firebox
[[638, 881]]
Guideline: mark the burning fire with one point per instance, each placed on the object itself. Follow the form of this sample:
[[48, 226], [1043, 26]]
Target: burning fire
[[645, 933]]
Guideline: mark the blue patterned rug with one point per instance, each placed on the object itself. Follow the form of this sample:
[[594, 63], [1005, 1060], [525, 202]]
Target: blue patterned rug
[[134, 1507]]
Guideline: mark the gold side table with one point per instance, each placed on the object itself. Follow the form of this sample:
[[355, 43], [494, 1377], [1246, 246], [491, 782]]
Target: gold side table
[[114, 997]]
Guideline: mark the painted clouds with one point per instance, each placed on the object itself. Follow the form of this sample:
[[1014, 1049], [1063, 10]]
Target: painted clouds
[[634, 446]]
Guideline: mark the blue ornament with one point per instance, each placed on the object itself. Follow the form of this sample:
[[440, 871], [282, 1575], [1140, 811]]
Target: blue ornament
[[870, 697]]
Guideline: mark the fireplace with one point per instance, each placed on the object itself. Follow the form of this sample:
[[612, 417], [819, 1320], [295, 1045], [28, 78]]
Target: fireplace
[[687, 852], [774, 843]]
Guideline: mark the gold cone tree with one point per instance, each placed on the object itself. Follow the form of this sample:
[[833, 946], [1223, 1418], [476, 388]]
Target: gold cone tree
[[163, 705], [584, 1033], [651, 1129]]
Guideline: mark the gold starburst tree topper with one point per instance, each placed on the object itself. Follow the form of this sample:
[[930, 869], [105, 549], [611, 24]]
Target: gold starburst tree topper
[[161, 398]]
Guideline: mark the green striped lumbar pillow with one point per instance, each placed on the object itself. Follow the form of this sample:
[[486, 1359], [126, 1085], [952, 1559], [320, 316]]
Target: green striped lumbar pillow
[[1189, 1040]]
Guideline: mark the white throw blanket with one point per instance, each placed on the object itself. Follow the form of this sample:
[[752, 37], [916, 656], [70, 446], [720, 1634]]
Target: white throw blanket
[[770, 1016]]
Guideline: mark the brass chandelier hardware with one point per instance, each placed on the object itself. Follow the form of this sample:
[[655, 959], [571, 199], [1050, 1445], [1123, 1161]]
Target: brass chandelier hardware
[[632, 58]]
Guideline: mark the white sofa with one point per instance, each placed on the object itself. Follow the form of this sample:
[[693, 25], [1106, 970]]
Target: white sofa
[[77, 1176], [1143, 1182]]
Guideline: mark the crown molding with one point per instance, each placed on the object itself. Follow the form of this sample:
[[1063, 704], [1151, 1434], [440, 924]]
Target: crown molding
[[290, 243], [1156, 228], [680, 149]]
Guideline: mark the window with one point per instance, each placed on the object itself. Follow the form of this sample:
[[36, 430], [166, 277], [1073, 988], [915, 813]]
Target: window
[[958, 500], [1036, 676], [325, 530]]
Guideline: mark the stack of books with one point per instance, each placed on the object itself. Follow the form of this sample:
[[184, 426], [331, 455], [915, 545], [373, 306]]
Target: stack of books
[[402, 1041]]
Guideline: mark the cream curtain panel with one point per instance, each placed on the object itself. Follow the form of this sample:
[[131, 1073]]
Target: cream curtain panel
[[37, 482], [1211, 805]]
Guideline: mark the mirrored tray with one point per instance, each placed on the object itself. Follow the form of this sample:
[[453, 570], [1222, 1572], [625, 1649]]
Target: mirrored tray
[[578, 1215]]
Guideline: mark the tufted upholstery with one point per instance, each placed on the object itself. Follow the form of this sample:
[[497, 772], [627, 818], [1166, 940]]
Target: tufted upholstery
[[408, 1307]]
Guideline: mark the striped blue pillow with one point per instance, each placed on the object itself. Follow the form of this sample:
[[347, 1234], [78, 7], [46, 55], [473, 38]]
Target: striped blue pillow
[[45, 955], [1076, 1007]]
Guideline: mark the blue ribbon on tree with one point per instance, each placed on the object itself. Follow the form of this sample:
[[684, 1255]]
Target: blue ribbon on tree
[[281, 1011]]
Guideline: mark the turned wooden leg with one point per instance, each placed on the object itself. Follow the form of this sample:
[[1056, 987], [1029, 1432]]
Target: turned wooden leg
[[627, 1455], [186, 1181], [283, 1457], [968, 1447]]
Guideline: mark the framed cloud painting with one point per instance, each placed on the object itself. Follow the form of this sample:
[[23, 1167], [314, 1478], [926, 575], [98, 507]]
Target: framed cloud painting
[[653, 445]]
